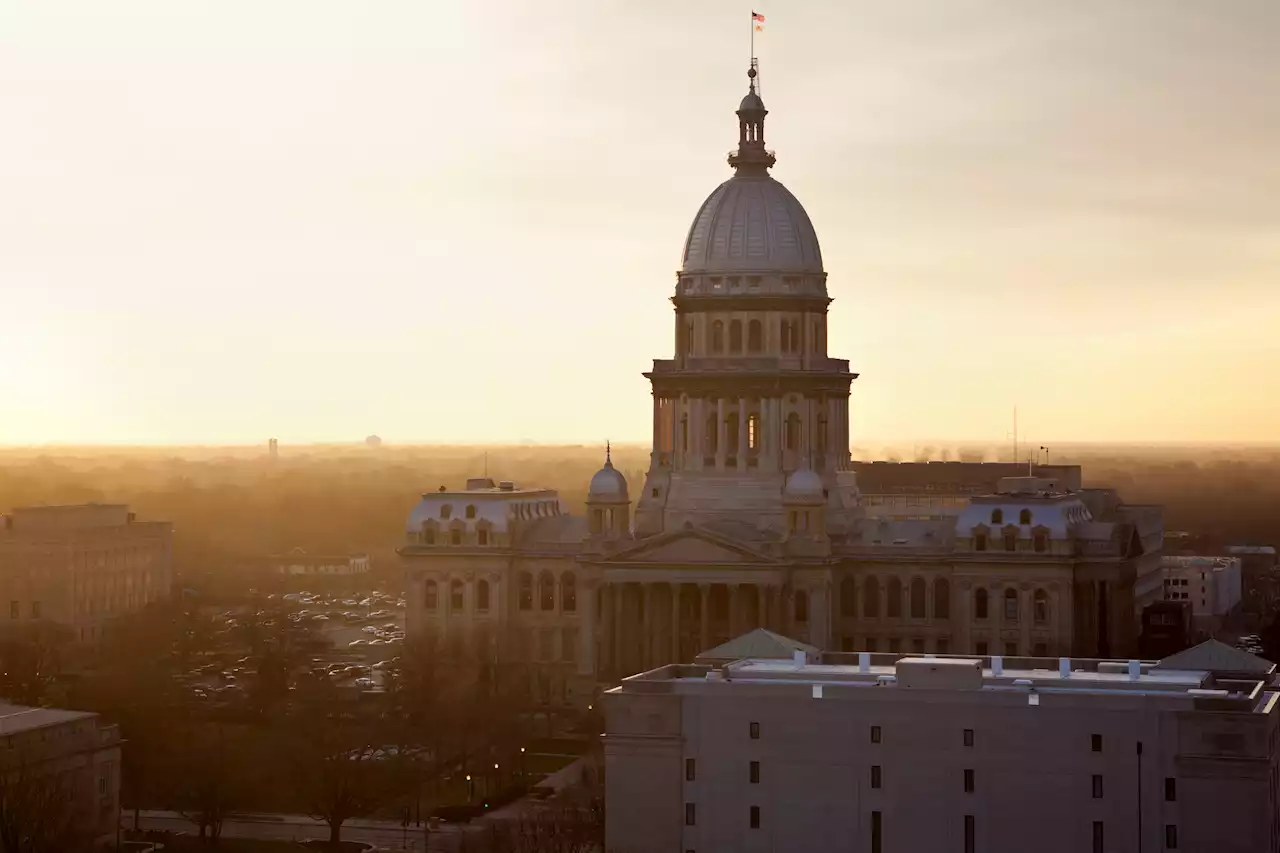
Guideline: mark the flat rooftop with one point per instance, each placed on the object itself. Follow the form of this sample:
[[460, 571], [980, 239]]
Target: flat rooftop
[[1043, 676], [18, 718]]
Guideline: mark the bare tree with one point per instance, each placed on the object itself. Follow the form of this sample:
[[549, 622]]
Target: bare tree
[[205, 781], [37, 811], [31, 660]]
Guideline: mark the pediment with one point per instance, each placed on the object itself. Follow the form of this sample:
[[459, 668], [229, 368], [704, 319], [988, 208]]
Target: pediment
[[691, 545]]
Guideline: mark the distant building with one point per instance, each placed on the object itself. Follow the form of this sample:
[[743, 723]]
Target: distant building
[[70, 757], [273, 449], [1166, 628], [298, 563], [1254, 559], [1210, 584], [373, 441], [888, 754], [82, 565]]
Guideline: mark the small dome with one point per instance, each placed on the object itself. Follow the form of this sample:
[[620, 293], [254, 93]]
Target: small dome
[[804, 484], [608, 484], [751, 103]]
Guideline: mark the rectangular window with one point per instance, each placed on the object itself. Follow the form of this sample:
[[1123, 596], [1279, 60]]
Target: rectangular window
[[15, 610], [755, 731], [875, 734], [917, 647], [969, 842], [1170, 836], [944, 647], [1170, 789], [755, 773], [1097, 786], [1097, 837], [35, 610], [690, 814], [1095, 742], [968, 780], [1011, 649], [1040, 650], [968, 737], [877, 829], [980, 648], [690, 769], [875, 775], [895, 644], [755, 817]]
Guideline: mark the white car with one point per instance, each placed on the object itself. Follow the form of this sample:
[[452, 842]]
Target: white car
[[355, 643]]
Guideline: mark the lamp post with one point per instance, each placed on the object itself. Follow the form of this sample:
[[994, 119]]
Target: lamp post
[[471, 789], [522, 765]]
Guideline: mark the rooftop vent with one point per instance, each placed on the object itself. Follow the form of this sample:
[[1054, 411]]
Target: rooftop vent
[[507, 486]]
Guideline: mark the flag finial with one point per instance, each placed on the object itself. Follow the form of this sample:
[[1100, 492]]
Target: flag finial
[[608, 453]]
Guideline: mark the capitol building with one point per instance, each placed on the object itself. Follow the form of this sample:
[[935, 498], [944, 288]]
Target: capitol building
[[752, 514]]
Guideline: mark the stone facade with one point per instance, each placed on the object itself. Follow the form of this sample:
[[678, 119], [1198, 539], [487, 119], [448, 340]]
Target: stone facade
[[750, 514]]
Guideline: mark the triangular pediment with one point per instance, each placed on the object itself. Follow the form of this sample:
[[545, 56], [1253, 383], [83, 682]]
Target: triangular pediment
[[691, 545]]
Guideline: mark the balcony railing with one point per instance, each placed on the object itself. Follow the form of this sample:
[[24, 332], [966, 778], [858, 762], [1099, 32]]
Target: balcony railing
[[747, 363]]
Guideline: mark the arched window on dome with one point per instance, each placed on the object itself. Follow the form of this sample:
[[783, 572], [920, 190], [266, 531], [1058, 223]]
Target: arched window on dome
[[848, 596], [997, 516], [471, 510], [755, 336], [568, 593], [547, 591], [894, 608], [735, 336], [717, 337], [712, 436], [941, 599], [793, 431], [1024, 516]]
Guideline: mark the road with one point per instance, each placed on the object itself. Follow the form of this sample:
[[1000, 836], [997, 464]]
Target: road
[[280, 827]]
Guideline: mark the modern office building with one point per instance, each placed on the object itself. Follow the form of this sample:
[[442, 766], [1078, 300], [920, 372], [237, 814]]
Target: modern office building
[[81, 566], [1211, 585], [877, 753], [59, 770]]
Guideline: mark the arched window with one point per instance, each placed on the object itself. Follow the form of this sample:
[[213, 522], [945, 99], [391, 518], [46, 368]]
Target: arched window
[[568, 593], [755, 336], [717, 336], [753, 431], [894, 610], [735, 336], [456, 597], [941, 599], [525, 593], [820, 434], [793, 431], [455, 536], [1041, 541], [848, 607], [918, 593], [688, 339], [980, 603], [1010, 605], [871, 597], [471, 510], [446, 511], [802, 606], [547, 591], [482, 596], [979, 541], [712, 442], [1024, 517], [430, 595], [1011, 540], [997, 516], [428, 535], [1041, 607], [482, 536]]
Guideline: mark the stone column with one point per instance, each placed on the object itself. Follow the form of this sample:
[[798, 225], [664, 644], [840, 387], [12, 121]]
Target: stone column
[[618, 655], [704, 625], [693, 459], [675, 623], [657, 427], [648, 629], [587, 631], [742, 433], [722, 436], [735, 618]]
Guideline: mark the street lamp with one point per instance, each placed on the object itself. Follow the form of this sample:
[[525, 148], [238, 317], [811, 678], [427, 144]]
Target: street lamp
[[522, 765], [471, 789]]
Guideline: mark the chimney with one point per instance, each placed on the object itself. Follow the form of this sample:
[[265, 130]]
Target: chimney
[[1135, 670], [1064, 667], [997, 665], [864, 661]]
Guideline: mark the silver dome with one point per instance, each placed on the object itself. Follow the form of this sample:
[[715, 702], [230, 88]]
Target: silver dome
[[804, 484], [608, 484], [752, 224]]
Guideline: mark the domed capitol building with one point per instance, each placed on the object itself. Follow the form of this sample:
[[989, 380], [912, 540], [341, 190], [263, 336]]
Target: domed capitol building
[[751, 514]]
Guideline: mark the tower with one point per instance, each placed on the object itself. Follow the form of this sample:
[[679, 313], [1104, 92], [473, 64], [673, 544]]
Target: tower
[[750, 393], [608, 503]]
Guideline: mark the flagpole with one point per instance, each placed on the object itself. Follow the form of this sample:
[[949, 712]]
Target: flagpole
[[753, 37]]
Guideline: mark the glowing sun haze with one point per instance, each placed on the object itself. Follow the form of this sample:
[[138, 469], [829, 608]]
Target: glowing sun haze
[[314, 220]]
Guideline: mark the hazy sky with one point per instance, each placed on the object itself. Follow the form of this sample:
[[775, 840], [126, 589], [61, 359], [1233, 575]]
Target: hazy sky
[[459, 221]]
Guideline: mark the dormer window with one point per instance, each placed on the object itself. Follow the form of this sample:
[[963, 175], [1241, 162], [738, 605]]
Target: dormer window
[[1041, 541], [1024, 517], [979, 541], [446, 511], [455, 536], [1010, 540], [997, 516], [471, 510]]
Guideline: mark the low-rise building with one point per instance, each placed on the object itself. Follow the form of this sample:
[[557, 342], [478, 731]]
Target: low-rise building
[[298, 563], [1210, 584], [82, 565], [59, 770], [878, 753]]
